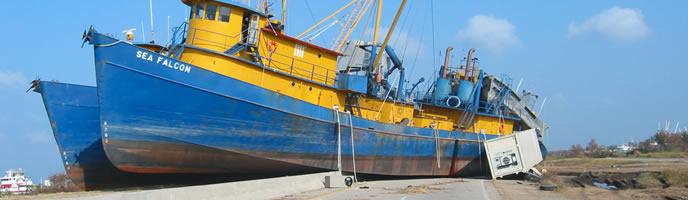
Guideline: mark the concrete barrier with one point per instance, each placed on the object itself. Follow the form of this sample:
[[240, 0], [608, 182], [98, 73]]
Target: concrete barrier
[[252, 189]]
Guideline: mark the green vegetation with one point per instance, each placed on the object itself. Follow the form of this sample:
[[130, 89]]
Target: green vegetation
[[664, 141]]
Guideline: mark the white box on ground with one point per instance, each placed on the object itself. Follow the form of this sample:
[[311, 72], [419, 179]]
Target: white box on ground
[[511, 154], [336, 181]]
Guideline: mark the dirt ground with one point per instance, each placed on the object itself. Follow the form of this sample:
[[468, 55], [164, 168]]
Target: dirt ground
[[576, 178], [625, 178]]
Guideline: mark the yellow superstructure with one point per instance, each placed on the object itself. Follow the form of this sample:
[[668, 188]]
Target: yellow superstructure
[[297, 68]]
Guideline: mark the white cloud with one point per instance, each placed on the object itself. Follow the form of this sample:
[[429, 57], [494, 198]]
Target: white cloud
[[489, 32], [12, 80], [617, 23], [401, 40]]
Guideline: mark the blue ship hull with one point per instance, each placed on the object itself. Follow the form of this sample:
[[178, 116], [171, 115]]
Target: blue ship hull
[[73, 112], [179, 118]]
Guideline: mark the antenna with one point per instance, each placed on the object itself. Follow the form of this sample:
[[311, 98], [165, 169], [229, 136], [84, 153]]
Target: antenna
[[284, 12], [542, 106], [519, 85], [168, 29], [143, 32], [151, 21]]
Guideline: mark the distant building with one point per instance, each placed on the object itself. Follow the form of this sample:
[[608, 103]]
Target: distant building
[[47, 183], [623, 148]]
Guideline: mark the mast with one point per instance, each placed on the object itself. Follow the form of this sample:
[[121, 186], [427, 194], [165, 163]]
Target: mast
[[143, 32], [151, 22], [284, 12], [377, 21], [362, 12], [389, 35]]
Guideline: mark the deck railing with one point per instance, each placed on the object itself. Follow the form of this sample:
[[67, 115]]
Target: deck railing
[[300, 68], [221, 43], [296, 67]]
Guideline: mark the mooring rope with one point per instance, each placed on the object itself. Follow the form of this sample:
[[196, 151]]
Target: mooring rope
[[436, 133], [353, 147], [339, 140]]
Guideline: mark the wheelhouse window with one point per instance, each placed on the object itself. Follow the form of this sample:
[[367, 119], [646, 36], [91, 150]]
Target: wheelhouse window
[[224, 14], [210, 12], [199, 10]]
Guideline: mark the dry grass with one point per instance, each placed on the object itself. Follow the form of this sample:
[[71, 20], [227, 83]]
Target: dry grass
[[587, 162], [649, 180], [678, 154], [677, 177]]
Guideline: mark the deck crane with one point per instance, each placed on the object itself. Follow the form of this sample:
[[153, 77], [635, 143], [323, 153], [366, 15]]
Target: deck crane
[[348, 21]]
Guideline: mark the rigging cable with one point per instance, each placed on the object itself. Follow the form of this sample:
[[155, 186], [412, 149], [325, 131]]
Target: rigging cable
[[310, 11], [432, 22], [403, 24], [418, 50], [363, 32], [398, 36], [377, 117]]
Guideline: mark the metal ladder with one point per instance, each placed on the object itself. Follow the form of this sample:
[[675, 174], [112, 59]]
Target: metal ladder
[[252, 50], [351, 103]]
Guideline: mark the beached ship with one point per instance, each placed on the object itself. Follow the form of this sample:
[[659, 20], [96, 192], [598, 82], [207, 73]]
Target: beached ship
[[234, 94], [73, 112]]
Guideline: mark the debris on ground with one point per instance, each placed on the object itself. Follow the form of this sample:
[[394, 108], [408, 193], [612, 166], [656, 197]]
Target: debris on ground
[[422, 189], [618, 178], [604, 186], [614, 181], [548, 187]]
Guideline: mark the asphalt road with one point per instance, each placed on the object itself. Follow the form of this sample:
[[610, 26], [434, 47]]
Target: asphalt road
[[433, 189]]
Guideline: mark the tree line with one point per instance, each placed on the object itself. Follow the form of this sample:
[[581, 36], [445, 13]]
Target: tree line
[[661, 141]]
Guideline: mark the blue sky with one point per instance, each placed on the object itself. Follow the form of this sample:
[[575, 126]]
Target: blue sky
[[611, 70]]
